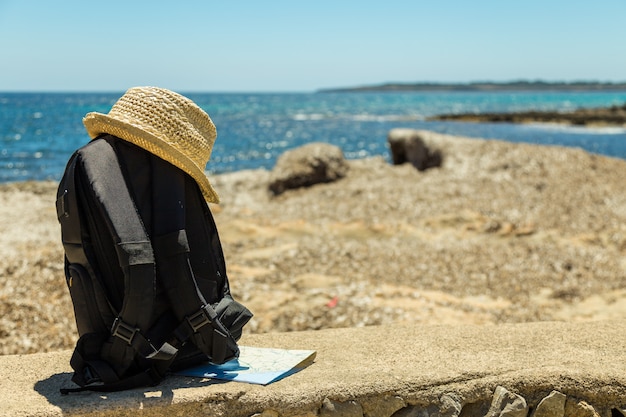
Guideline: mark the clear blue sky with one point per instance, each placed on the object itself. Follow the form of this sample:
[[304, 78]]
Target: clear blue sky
[[264, 45]]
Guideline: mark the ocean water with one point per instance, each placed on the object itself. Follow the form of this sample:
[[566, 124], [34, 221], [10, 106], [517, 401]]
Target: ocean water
[[39, 131]]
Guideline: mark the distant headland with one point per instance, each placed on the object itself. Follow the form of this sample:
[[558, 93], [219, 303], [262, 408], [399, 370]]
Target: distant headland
[[486, 86], [602, 116], [613, 116]]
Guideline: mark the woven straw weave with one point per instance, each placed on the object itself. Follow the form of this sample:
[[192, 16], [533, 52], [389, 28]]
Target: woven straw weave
[[164, 123]]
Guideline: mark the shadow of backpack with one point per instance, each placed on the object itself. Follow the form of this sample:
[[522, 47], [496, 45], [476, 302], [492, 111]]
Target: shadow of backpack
[[144, 267]]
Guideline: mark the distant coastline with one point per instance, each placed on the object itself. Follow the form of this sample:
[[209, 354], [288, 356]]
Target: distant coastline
[[604, 116], [485, 86], [613, 116]]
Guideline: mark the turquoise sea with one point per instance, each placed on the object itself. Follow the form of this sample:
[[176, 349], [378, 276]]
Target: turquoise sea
[[39, 131]]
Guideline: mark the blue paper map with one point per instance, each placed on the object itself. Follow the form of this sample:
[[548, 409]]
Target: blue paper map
[[256, 365]]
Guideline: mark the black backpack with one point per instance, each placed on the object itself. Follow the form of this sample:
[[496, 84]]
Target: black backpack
[[144, 267]]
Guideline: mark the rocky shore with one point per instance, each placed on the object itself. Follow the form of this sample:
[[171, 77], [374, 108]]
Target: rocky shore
[[498, 233], [503, 403], [604, 116]]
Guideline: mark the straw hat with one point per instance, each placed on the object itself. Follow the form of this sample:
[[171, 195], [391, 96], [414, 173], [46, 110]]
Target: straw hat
[[164, 123]]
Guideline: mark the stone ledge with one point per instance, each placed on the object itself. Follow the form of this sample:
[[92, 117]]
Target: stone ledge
[[372, 371]]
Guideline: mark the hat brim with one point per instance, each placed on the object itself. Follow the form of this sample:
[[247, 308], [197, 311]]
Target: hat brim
[[98, 123]]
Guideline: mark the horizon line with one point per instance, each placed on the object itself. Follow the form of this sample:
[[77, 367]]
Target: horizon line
[[330, 89]]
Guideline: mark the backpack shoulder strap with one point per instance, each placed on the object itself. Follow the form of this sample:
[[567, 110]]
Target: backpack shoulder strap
[[199, 320]]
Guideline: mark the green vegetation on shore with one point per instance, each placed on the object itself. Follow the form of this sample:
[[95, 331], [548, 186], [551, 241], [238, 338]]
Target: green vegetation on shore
[[520, 85]]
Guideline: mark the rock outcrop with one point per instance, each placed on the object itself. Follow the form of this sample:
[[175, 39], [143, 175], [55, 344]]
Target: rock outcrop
[[408, 145], [307, 165], [613, 115]]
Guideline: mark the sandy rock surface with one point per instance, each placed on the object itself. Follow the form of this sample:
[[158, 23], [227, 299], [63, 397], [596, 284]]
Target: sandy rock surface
[[499, 233]]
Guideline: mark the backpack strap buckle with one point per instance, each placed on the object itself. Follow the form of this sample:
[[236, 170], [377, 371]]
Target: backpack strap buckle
[[200, 318], [123, 331]]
